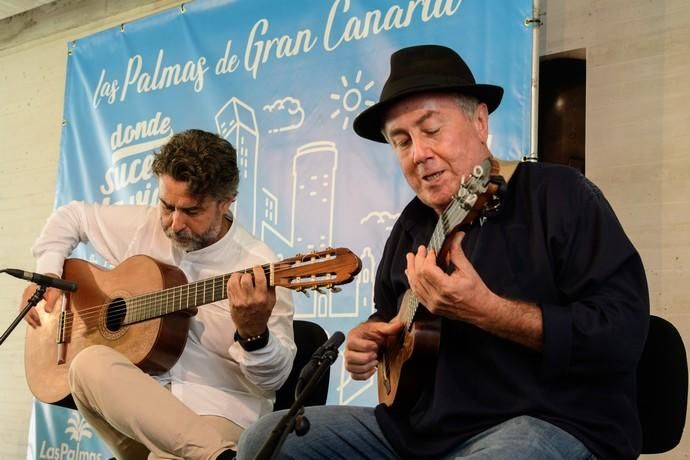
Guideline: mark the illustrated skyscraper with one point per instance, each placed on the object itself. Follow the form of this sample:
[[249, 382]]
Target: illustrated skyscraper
[[236, 122]]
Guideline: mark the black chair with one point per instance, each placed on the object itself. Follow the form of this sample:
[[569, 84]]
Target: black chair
[[662, 387], [308, 337]]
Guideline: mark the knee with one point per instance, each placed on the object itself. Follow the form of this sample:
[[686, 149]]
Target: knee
[[91, 365], [253, 438]]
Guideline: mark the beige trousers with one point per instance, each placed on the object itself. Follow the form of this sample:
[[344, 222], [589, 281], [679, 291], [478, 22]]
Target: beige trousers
[[139, 418]]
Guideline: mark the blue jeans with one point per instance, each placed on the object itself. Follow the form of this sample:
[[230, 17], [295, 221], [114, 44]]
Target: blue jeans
[[346, 432]]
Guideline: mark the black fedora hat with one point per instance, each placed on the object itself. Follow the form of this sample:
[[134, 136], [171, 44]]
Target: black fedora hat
[[419, 69]]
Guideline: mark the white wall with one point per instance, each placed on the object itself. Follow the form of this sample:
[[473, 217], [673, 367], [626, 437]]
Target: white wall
[[638, 93], [33, 60]]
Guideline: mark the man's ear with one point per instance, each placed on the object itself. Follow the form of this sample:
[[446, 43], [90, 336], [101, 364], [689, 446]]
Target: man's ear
[[481, 121]]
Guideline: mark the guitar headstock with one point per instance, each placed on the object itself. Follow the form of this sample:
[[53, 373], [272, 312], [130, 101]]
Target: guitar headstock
[[474, 185], [323, 269], [466, 198]]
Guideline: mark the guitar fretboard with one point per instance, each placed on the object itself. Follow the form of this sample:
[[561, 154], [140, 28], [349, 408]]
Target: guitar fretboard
[[454, 214], [171, 300]]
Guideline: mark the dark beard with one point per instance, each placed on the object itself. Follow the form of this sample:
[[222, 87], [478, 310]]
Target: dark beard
[[188, 242]]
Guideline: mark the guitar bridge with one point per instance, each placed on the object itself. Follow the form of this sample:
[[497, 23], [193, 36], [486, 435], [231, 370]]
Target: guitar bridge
[[61, 334]]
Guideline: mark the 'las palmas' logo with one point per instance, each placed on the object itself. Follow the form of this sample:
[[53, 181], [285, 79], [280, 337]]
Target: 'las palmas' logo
[[77, 430]]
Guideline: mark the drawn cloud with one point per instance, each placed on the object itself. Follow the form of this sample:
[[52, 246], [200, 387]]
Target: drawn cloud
[[382, 218], [288, 113]]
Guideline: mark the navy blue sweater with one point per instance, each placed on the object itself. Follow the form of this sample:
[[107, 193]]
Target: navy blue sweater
[[557, 243]]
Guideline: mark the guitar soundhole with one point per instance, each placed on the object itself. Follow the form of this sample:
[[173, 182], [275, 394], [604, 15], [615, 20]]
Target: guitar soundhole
[[117, 309]]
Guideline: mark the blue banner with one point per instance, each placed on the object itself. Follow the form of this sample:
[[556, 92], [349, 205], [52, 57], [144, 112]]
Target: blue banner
[[282, 81]]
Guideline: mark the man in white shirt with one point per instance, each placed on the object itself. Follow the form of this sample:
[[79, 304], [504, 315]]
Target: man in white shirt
[[237, 353]]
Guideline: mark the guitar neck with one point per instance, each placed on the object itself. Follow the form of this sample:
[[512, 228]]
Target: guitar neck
[[451, 217], [179, 298], [323, 269], [438, 237], [442, 229]]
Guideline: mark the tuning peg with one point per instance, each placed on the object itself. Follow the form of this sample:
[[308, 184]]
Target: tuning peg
[[335, 289], [317, 289], [302, 290]]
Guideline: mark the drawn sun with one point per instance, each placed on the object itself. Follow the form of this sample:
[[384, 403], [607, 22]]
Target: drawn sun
[[351, 99]]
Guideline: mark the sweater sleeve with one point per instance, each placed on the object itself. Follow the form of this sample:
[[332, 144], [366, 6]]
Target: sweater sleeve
[[601, 325], [108, 229]]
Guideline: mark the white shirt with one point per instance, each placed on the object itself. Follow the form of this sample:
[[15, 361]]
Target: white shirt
[[214, 375]]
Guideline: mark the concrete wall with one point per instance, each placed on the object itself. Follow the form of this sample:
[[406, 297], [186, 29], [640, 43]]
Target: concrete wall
[[638, 93], [33, 60]]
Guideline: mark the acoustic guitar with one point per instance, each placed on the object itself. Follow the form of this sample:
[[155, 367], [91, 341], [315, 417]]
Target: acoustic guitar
[[142, 308], [407, 359]]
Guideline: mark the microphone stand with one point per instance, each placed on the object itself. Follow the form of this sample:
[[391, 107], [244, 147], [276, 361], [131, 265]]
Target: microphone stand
[[32, 302], [295, 418]]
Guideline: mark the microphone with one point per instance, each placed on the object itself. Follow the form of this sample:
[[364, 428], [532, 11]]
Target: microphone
[[330, 345], [43, 280]]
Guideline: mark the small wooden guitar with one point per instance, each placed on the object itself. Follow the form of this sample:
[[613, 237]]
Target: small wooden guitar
[[406, 360], [142, 308]]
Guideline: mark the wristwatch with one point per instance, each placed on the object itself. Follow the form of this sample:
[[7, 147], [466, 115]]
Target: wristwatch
[[252, 343]]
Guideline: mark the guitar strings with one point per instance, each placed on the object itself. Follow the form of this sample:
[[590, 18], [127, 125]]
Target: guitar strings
[[450, 214], [138, 304], [142, 303]]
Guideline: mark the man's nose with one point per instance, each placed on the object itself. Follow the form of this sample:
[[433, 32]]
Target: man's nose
[[421, 151], [178, 221]]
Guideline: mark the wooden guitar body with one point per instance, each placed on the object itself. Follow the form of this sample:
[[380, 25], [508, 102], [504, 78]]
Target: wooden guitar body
[[153, 345], [408, 360]]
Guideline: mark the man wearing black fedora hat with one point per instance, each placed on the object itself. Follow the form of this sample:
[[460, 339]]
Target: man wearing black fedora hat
[[541, 302]]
